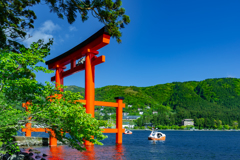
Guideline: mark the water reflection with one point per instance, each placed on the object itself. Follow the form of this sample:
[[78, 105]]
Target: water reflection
[[119, 152], [56, 152], [92, 153], [89, 153]]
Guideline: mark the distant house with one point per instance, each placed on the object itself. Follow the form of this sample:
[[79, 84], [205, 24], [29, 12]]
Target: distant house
[[140, 113], [148, 107], [110, 114], [101, 109], [125, 113], [187, 122], [139, 109], [154, 112], [130, 106], [126, 124], [130, 117]]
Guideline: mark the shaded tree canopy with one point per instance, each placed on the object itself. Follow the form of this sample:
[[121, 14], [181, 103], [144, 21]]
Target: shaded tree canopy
[[16, 17]]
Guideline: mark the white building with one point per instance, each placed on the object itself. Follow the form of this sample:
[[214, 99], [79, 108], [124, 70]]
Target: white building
[[130, 117], [127, 125], [130, 106], [140, 113], [187, 122]]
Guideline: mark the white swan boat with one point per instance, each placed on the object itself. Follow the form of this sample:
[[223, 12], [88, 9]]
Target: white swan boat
[[128, 132], [155, 135]]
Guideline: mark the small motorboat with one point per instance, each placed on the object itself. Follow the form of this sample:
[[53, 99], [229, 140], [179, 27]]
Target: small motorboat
[[127, 132], [155, 135]]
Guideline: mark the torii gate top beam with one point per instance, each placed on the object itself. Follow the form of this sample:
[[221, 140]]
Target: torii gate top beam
[[93, 43]]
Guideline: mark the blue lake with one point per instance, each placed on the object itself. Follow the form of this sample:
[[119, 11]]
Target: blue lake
[[178, 145]]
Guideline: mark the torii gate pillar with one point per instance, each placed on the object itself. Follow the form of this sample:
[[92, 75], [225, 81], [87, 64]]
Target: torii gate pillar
[[89, 84]]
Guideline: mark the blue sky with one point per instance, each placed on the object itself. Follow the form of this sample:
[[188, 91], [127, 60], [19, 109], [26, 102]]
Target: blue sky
[[166, 41]]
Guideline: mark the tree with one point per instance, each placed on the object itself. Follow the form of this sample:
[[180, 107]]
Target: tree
[[196, 122], [235, 124], [226, 127], [16, 17], [217, 123], [59, 112], [106, 116], [139, 122]]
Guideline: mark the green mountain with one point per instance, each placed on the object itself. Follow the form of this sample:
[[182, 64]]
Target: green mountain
[[211, 99]]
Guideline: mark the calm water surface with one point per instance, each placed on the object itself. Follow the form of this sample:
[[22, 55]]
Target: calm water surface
[[178, 145]]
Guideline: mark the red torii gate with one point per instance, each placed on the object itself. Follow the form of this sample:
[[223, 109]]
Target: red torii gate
[[87, 49]]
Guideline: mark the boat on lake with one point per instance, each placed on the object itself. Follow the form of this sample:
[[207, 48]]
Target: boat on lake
[[128, 132], [155, 135]]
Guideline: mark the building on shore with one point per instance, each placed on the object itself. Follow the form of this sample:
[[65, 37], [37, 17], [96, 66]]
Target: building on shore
[[188, 122], [127, 125], [130, 117]]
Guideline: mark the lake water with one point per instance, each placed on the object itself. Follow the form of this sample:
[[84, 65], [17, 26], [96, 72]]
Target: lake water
[[194, 145]]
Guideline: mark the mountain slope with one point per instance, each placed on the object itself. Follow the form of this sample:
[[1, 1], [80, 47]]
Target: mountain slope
[[212, 98]]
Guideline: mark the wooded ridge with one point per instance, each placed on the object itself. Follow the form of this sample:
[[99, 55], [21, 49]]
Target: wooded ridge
[[209, 100]]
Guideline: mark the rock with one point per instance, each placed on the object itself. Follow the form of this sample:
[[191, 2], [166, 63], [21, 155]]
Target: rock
[[23, 153], [43, 159], [30, 150], [6, 156], [37, 157], [1, 156], [27, 157], [44, 155], [16, 157], [30, 154]]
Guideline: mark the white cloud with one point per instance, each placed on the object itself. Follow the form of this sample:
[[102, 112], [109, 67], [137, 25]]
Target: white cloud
[[72, 28], [49, 26], [44, 32]]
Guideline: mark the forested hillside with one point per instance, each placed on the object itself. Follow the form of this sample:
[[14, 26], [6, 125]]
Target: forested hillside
[[211, 103]]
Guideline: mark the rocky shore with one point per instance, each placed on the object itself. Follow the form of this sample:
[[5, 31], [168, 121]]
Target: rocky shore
[[33, 141], [30, 154]]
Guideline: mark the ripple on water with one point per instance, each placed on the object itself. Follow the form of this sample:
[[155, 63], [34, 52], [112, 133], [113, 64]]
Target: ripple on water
[[178, 145]]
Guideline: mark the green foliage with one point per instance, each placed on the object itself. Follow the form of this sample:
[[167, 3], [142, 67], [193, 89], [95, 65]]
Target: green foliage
[[211, 103], [16, 17], [61, 115], [226, 127], [189, 126], [14, 20]]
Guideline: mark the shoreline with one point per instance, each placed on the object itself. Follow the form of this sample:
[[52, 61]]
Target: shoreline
[[184, 130]]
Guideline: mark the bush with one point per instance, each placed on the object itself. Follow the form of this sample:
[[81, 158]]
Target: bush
[[176, 127], [149, 127], [136, 127], [182, 127]]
